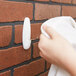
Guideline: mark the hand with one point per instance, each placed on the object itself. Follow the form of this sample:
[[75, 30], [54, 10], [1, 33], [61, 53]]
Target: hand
[[56, 49]]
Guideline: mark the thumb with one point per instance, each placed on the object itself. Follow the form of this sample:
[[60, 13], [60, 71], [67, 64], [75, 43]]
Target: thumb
[[50, 31]]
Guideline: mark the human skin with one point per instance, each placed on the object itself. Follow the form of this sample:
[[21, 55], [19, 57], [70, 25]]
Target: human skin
[[57, 50]]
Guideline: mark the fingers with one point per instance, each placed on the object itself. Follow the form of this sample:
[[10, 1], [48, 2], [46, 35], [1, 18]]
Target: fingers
[[43, 38], [43, 45], [43, 41], [50, 31]]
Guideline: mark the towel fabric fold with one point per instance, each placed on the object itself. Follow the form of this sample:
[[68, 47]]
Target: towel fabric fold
[[65, 26]]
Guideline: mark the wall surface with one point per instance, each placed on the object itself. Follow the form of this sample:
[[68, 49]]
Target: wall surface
[[14, 60]]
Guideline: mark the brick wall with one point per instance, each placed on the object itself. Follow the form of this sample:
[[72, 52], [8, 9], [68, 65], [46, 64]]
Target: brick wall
[[14, 60]]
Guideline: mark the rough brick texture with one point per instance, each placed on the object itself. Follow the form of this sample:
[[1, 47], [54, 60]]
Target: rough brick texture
[[62, 1], [35, 31], [13, 56], [31, 69], [45, 11], [74, 1], [69, 11], [14, 60], [5, 35], [41, 0], [17, 11], [7, 73], [35, 50], [18, 34]]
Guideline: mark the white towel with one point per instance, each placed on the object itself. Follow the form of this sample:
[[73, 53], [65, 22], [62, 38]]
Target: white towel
[[65, 26]]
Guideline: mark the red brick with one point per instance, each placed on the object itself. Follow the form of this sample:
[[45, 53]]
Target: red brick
[[5, 35], [17, 11], [31, 69], [62, 1], [3, 0], [7, 73], [35, 32], [41, 0], [69, 11], [18, 33], [35, 50], [13, 56], [74, 1], [45, 11], [44, 74], [48, 65]]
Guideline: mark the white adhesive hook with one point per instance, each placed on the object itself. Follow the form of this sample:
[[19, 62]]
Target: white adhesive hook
[[26, 36]]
